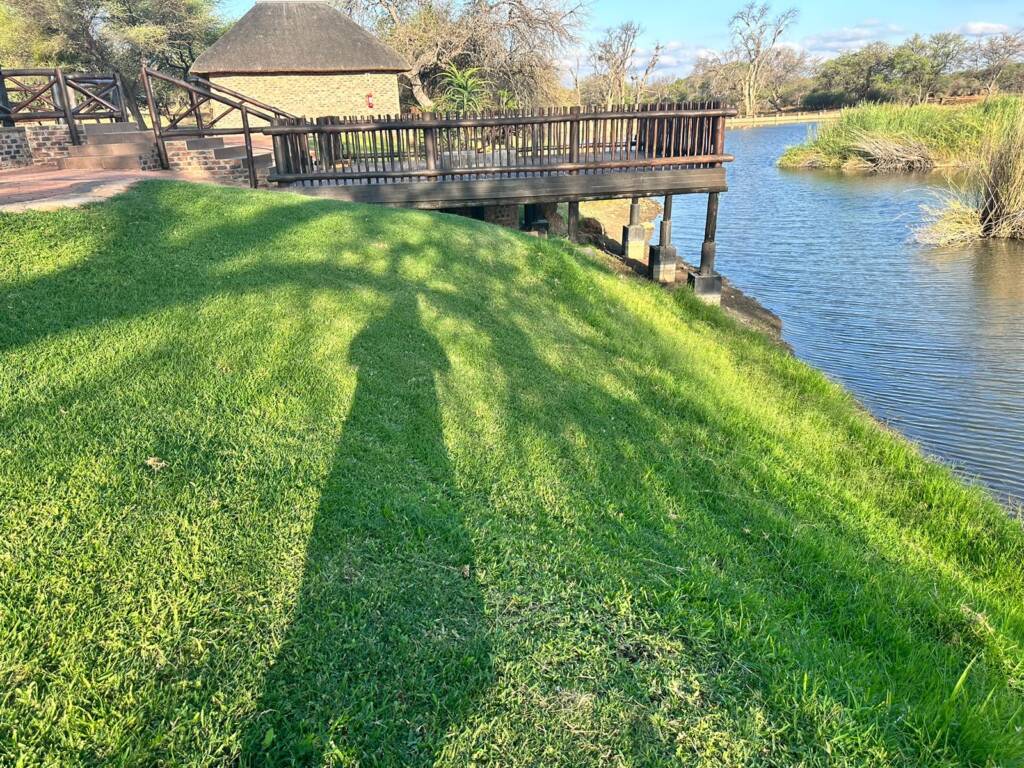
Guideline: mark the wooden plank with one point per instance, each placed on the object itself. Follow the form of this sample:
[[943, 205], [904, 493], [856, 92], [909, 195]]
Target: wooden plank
[[460, 194]]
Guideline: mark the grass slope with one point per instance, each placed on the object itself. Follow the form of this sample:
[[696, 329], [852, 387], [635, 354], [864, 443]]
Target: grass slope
[[423, 491], [896, 137]]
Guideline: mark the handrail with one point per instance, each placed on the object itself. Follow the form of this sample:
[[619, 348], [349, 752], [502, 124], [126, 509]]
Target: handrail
[[500, 120], [202, 92], [55, 99]]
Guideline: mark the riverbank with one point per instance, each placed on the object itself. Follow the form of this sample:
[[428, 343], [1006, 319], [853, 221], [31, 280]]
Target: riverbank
[[293, 481], [785, 118], [611, 215], [900, 138]]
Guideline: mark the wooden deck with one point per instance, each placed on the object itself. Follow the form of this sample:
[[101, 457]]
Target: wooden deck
[[558, 155], [503, 191]]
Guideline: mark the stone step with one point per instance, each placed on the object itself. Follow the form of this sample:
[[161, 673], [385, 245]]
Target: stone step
[[230, 152], [102, 163], [212, 142], [95, 129], [119, 137], [109, 150]]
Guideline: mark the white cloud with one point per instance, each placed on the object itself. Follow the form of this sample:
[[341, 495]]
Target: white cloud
[[982, 28], [838, 41]]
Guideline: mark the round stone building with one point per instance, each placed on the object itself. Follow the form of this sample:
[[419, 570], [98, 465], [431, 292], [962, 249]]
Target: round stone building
[[306, 58]]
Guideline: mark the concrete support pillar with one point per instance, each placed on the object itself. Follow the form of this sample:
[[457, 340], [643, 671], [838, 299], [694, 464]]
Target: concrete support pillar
[[635, 236], [661, 264], [706, 283]]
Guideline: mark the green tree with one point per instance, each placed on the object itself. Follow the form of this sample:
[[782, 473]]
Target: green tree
[[920, 66], [120, 35], [857, 75]]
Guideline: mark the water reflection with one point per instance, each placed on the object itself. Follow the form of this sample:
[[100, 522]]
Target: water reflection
[[931, 340]]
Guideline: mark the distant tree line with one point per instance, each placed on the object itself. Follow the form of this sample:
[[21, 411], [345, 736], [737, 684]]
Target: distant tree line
[[921, 69], [476, 54], [759, 73]]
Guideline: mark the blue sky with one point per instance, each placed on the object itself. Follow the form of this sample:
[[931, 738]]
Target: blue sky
[[824, 28]]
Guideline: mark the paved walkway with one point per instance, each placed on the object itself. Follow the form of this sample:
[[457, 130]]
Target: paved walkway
[[44, 189]]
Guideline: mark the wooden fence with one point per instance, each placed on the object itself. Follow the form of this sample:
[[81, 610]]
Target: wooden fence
[[47, 95], [498, 145]]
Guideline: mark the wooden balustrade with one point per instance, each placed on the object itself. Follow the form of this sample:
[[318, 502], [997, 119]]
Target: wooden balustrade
[[498, 145], [52, 95]]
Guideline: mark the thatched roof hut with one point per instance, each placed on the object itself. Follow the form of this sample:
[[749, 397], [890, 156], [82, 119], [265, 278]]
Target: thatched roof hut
[[307, 58]]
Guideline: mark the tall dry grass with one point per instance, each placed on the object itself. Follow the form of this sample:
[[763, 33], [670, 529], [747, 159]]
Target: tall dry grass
[[989, 203]]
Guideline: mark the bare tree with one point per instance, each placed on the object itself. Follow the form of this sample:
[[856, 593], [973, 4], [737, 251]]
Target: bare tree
[[640, 82], [755, 34], [611, 58], [787, 76], [992, 55], [515, 42]]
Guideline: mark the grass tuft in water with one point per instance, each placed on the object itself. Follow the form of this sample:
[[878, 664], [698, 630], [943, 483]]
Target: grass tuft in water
[[990, 202], [890, 138]]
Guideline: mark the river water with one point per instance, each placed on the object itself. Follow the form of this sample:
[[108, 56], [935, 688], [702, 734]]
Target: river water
[[930, 340]]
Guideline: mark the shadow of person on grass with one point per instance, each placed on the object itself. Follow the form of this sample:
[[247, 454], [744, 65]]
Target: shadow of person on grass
[[386, 647]]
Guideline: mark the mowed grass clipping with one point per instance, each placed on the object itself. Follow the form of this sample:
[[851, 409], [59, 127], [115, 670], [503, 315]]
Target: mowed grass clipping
[[286, 481]]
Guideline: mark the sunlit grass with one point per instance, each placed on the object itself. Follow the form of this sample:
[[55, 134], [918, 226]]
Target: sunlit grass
[[286, 481]]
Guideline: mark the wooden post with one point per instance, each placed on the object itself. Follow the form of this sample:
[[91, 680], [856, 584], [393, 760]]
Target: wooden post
[[573, 224], [430, 145], [250, 160], [196, 109], [706, 283], [121, 103], [5, 104], [574, 137], [65, 102], [665, 236], [154, 118], [707, 251]]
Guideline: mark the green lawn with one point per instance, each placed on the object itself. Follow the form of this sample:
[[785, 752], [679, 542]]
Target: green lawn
[[285, 481]]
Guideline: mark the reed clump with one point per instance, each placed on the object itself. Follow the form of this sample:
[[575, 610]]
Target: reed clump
[[989, 202], [894, 138]]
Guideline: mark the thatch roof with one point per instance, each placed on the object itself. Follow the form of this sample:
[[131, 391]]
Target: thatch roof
[[296, 37]]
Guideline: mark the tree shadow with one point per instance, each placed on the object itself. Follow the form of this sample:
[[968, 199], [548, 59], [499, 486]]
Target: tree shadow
[[387, 644]]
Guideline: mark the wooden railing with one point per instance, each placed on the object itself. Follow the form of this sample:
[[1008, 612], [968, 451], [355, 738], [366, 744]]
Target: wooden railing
[[518, 144], [48, 95], [201, 109]]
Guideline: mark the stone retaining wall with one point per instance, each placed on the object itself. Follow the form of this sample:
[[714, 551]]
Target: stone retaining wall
[[202, 164], [14, 151], [48, 143], [33, 145]]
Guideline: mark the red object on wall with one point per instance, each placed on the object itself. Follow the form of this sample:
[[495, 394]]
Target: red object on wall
[[369, 101]]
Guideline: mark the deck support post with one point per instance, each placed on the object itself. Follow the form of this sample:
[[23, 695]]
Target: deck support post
[[573, 224], [6, 121], [706, 283], [661, 263], [534, 220], [635, 236]]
